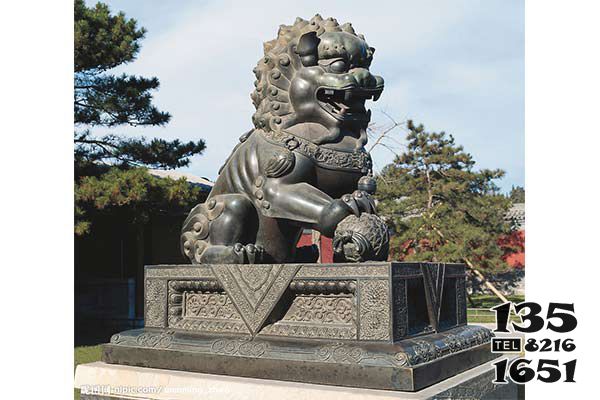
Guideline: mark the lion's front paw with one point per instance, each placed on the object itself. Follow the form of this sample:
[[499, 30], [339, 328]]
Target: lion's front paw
[[360, 202], [357, 203], [236, 254], [249, 254]]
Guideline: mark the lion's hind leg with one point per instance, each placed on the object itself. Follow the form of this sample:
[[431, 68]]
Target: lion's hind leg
[[222, 230]]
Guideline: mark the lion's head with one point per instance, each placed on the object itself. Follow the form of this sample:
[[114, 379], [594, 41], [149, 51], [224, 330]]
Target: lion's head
[[315, 72]]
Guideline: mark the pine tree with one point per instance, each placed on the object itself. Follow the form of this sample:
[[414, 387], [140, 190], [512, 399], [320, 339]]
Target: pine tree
[[111, 170], [517, 194], [440, 207]]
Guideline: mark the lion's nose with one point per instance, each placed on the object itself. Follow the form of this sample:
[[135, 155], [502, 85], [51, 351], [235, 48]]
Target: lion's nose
[[363, 77]]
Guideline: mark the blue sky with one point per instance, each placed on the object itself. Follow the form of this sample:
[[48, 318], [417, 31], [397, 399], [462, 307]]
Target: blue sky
[[455, 65]]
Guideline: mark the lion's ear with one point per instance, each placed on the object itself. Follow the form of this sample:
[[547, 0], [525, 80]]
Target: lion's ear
[[307, 49]]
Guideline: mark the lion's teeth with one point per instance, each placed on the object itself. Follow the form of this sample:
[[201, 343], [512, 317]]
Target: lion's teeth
[[341, 106]]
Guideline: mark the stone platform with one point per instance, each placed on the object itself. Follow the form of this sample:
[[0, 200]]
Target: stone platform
[[101, 381], [380, 325]]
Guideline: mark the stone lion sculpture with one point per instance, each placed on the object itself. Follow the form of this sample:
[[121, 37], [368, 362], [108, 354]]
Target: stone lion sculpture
[[304, 164]]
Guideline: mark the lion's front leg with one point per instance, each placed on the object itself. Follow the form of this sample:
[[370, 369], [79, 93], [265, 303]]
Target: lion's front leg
[[308, 206]]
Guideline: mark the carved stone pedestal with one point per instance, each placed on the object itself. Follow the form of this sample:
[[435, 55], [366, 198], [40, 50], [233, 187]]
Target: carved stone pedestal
[[394, 326]]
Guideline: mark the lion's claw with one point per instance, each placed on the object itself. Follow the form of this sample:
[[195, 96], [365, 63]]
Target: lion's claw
[[359, 202], [254, 253]]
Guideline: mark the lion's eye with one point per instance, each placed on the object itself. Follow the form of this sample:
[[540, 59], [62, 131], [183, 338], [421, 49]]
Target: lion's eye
[[338, 66]]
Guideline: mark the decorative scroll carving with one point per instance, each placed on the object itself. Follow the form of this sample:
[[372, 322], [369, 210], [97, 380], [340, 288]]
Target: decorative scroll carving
[[239, 347], [346, 354], [321, 309], [159, 340], [202, 305], [209, 305], [374, 310]]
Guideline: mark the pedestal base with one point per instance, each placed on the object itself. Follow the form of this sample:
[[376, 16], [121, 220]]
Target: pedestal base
[[376, 325], [409, 365], [100, 381]]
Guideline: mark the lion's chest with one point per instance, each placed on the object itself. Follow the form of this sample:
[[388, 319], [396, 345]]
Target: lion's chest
[[336, 182]]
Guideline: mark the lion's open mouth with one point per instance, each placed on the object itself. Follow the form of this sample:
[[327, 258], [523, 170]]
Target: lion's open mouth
[[347, 103]]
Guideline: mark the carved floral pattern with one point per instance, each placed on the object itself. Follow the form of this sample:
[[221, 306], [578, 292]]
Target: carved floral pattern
[[321, 309], [400, 307], [374, 310], [156, 303]]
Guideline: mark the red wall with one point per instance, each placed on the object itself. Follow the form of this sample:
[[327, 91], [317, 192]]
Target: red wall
[[326, 246], [513, 245]]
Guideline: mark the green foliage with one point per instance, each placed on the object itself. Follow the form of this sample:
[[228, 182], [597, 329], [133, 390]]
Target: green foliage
[[102, 40], [487, 301], [133, 194], [441, 208], [110, 171], [115, 150], [517, 194], [109, 100]]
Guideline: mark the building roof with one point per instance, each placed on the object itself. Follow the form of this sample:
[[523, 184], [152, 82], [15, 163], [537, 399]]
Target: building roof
[[516, 215], [204, 183]]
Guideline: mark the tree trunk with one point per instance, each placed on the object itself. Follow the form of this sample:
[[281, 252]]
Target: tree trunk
[[486, 282]]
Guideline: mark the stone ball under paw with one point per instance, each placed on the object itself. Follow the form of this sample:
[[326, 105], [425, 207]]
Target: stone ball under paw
[[364, 238]]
